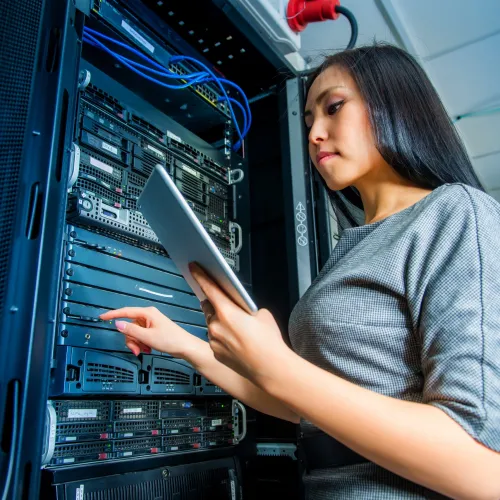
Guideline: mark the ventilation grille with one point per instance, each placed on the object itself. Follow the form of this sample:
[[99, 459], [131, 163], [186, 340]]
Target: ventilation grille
[[188, 190], [145, 126], [198, 209], [96, 111], [99, 410], [217, 412], [19, 26], [137, 444], [181, 440], [135, 426], [116, 177], [150, 247], [136, 179], [207, 485], [134, 410], [185, 149], [83, 428], [134, 191], [166, 376], [190, 180], [97, 372], [81, 449], [98, 190], [217, 206], [173, 423], [98, 96]]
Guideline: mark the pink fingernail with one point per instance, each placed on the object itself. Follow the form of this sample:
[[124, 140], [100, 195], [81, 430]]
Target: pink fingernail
[[121, 325]]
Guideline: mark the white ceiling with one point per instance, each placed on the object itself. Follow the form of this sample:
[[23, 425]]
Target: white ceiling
[[458, 44]]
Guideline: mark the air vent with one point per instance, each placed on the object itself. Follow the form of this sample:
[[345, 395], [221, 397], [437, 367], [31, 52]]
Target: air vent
[[166, 376], [135, 426], [142, 444], [98, 96], [142, 124], [98, 190], [135, 410], [81, 449], [110, 373], [97, 372], [136, 179], [79, 410], [83, 431]]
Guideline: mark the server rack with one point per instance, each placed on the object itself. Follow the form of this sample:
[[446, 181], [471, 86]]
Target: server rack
[[80, 135]]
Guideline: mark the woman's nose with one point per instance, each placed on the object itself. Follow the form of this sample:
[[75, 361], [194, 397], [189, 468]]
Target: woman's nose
[[317, 133]]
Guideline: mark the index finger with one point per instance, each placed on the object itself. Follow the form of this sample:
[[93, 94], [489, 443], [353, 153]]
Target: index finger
[[215, 295], [126, 312]]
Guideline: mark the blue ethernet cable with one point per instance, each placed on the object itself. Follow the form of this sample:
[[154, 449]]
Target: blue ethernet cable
[[192, 78], [216, 80], [97, 34], [90, 39]]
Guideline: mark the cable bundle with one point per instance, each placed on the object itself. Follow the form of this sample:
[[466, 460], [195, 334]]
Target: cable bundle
[[205, 75]]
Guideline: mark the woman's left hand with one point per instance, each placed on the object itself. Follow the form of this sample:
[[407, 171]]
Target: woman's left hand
[[251, 345]]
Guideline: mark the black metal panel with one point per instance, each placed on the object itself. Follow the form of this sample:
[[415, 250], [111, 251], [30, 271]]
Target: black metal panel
[[167, 376], [83, 372], [125, 285], [115, 264], [109, 300], [39, 75], [215, 480], [102, 243], [300, 223]]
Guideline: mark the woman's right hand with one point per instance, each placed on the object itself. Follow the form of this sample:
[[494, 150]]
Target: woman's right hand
[[151, 329]]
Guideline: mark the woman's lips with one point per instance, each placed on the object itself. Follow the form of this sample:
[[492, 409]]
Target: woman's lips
[[324, 157]]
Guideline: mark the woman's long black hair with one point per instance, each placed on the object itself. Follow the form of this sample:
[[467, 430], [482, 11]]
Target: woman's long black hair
[[412, 130]]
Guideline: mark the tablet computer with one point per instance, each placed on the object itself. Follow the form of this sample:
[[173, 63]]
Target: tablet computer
[[185, 239]]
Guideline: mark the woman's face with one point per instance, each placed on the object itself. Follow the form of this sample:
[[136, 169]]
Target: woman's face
[[341, 142]]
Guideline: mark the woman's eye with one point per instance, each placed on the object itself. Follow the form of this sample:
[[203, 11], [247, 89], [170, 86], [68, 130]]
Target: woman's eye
[[334, 107]]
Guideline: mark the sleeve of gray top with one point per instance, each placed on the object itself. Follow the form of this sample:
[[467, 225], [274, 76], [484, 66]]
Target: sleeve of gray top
[[459, 322]]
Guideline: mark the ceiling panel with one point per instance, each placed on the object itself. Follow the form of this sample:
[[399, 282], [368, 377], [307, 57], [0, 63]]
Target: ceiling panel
[[488, 171], [481, 134], [436, 26], [468, 79]]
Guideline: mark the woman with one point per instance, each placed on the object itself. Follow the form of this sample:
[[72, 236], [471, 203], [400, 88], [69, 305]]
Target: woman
[[396, 345]]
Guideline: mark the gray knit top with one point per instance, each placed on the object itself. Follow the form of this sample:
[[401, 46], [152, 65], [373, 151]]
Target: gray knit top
[[409, 307]]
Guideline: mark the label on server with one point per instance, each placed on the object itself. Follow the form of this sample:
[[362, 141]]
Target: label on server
[[132, 410], [173, 136], [110, 148], [157, 151], [217, 422], [101, 165], [70, 438], [82, 413], [231, 262], [215, 228], [192, 171], [137, 36]]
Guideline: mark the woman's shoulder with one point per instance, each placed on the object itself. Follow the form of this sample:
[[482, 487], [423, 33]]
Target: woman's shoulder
[[461, 201]]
